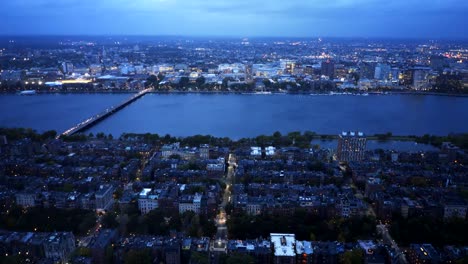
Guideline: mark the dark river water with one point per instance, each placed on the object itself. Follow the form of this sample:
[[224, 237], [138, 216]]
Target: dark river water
[[237, 116]]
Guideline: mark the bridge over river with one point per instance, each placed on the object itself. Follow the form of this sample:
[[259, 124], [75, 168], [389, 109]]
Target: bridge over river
[[104, 114]]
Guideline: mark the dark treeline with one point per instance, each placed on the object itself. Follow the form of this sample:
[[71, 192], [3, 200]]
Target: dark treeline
[[430, 230], [47, 220], [159, 222], [306, 226], [277, 139], [297, 139]]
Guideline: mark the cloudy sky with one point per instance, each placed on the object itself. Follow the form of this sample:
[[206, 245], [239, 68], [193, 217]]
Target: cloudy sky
[[302, 18]]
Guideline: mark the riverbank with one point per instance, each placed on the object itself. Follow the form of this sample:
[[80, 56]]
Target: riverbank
[[334, 93], [303, 140], [425, 93]]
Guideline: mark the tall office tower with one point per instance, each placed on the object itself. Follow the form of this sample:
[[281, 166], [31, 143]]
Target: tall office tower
[[395, 74], [382, 71], [420, 78], [104, 53], [367, 70], [351, 146], [328, 68], [67, 67], [438, 63]]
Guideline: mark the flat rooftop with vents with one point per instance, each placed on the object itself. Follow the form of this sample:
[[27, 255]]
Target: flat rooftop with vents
[[284, 244]]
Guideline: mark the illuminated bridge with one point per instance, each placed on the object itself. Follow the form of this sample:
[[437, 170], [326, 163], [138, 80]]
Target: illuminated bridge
[[104, 114]]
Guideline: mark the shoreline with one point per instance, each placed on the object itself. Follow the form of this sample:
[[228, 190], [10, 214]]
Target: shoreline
[[251, 93]]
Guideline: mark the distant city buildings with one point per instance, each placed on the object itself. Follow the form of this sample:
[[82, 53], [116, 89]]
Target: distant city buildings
[[263, 65], [382, 72], [328, 68]]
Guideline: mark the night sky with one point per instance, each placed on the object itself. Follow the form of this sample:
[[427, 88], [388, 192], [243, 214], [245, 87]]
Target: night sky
[[242, 18]]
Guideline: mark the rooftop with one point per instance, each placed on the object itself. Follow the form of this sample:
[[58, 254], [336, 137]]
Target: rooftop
[[283, 244], [304, 247]]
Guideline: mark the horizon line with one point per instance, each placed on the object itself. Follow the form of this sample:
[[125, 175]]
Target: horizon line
[[237, 36]]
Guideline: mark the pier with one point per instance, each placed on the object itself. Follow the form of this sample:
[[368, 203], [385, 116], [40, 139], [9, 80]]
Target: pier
[[104, 114]]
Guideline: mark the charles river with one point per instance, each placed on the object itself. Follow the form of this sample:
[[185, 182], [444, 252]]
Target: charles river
[[236, 115]]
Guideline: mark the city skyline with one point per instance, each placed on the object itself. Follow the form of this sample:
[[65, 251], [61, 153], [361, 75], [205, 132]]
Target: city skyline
[[214, 131], [340, 18]]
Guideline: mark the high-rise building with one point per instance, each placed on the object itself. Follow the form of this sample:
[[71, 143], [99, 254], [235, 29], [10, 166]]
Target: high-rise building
[[67, 67], [351, 146], [382, 72], [438, 63], [367, 70], [395, 74], [420, 78], [328, 68]]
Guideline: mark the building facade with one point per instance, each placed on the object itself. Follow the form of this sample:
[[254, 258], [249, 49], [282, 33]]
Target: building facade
[[351, 146]]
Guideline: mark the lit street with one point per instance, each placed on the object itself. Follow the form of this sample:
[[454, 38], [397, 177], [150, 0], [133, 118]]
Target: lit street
[[219, 244], [382, 229]]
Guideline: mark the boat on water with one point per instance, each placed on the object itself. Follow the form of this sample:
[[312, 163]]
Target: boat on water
[[263, 92], [28, 92]]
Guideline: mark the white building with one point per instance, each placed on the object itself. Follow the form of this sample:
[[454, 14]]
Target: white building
[[284, 247], [231, 68], [147, 200], [168, 150], [270, 151], [218, 165], [255, 151], [126, 69], [194, 75], [165, 68], [190, 203], [265, 70]]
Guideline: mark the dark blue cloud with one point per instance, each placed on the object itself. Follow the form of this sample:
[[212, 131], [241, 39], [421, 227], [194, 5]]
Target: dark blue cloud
[[365, 18]]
